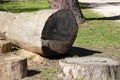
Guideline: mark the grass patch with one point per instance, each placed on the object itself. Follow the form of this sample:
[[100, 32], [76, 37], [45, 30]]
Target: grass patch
[[101, 34], [48, 74], [98, 33], [28, 6]]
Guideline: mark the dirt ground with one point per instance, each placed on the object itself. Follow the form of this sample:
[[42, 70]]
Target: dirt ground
[[108, 8], [41, 68]]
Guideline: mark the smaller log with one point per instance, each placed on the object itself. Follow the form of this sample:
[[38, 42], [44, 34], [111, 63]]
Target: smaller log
[[5, 46], [12, 68], [90, 68]]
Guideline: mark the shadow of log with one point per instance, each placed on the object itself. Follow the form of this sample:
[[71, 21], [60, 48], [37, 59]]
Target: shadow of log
[[32, 73], [77, 51], [106, 18]]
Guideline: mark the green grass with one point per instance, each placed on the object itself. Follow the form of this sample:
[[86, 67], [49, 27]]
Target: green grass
[[98, 34], [48, 74], [82, 79], [103, 35], [30, 6]]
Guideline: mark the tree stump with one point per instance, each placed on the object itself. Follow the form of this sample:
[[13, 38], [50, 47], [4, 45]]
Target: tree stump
[[5, 46], [90, 68], [47, 32], [73, 5], [12, 68]]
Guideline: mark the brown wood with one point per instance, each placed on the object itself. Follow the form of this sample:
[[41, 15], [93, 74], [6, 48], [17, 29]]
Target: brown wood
[[73, 5], [12, 68], [90, 68], [5, 46], [47, 32]]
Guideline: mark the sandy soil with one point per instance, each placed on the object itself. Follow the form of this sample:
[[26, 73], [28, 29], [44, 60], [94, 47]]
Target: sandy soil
[[109, 8], [40, 68]]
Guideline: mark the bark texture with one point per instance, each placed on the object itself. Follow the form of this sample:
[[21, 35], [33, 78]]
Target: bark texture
[[48, 32], [5, 46], [90, 68], [73, 5], [12, 68]]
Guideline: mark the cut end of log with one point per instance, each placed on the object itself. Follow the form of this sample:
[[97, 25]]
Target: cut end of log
[[11, 58], [99, 61], [59, 32], [90, 68]]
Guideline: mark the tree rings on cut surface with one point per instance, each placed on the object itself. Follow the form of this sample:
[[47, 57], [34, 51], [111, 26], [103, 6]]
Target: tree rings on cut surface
[[59, 32], [90, 68]]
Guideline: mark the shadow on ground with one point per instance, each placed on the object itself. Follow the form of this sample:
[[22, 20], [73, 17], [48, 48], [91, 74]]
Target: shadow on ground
[[32, 73], [106, 18], [76, 51], [95, 5]]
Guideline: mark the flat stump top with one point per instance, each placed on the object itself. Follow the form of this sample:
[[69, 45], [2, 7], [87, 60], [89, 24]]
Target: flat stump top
[[4, 59], [91, 61]]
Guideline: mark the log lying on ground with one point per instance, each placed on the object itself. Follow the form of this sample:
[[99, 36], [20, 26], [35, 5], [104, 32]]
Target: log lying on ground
[[12, 68], [48, 32], [90, 68]]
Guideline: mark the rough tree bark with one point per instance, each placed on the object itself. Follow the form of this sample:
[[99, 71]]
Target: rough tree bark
[[5, 46], [90, 68], [12, 68], [45, 32], [73, 5]]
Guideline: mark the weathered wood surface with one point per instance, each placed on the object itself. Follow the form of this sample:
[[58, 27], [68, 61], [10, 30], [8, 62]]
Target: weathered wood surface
[[12, 68], [73, 5], [90, 68], [47, 32], [5, 46]]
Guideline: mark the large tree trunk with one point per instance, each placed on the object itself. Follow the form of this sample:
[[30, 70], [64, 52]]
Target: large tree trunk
[[73, 5], [48, 32], [90, 68], [12, 68]]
